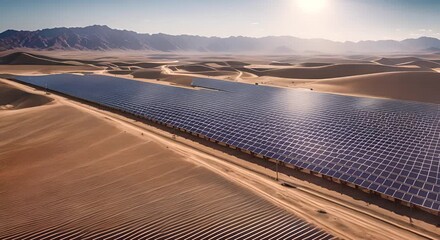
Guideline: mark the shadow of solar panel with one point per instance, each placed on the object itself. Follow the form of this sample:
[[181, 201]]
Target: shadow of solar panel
[[391, 147]]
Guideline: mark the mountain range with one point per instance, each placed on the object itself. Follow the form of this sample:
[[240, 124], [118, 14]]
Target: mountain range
[[102, 38]]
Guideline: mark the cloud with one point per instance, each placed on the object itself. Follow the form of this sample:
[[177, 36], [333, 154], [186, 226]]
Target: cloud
[[255, 23], [425, 30]]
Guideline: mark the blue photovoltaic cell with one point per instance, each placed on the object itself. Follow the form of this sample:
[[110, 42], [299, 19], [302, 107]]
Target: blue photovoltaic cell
[[389, 146]]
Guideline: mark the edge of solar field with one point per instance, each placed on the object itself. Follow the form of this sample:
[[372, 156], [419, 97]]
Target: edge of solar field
[[275, 161]]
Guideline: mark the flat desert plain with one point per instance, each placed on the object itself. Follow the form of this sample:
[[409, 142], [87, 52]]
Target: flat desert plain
[[69, 170]]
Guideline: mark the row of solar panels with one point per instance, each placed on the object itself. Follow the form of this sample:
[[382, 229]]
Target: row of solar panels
[[391, 147]]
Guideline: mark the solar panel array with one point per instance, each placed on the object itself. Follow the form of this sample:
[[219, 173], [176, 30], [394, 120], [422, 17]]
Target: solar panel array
[[391, 147]]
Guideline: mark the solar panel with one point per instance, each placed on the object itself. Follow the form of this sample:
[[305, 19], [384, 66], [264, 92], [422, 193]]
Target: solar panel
[[388, 146]]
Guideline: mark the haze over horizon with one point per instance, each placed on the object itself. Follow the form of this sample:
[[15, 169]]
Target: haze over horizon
[[337, 20]]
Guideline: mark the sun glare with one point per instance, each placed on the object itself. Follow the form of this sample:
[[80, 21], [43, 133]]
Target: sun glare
[[311, 6]]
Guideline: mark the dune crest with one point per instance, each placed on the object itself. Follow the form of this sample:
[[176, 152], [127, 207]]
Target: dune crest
[[327, 71], [397, 60], [12, 98], [414, 86], [22, 58]]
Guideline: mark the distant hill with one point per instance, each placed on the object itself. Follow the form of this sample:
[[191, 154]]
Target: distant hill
[[21, 58], [98, 37]]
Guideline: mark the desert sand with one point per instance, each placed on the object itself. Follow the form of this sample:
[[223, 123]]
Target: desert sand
[[96, 172], [413, 78], [12, 98], [413, 86]]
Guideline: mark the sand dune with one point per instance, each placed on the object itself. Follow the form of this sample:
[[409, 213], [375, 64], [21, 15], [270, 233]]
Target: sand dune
[[423, 64], [120, 72], [228, 69], [179, 80], [69, 174], [138, 64], [24, 58], [124, 67], [237, 63], [280, 64], [313, 64], [45, 69], [263, 68], [330, 71], [397, 60], [215, 64], [330, 59], [21, 58], [415, 86], [307, 69], [195, 68], [12, 98], [173, 68], [221, 74], [148, 73], [31, 63], [248, 75], [208, 69]]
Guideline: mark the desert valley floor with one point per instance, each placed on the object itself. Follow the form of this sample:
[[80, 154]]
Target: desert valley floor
[[68, 169]]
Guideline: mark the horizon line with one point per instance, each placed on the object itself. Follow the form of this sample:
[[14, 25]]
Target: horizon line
[[224, 37]]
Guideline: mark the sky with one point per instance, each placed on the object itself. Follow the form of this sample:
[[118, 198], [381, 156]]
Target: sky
[[339, 20]]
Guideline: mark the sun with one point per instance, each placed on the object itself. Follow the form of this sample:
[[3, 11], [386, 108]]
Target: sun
[[311, 6]]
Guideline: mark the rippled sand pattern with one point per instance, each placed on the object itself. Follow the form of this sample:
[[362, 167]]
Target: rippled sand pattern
[[65, 174]]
